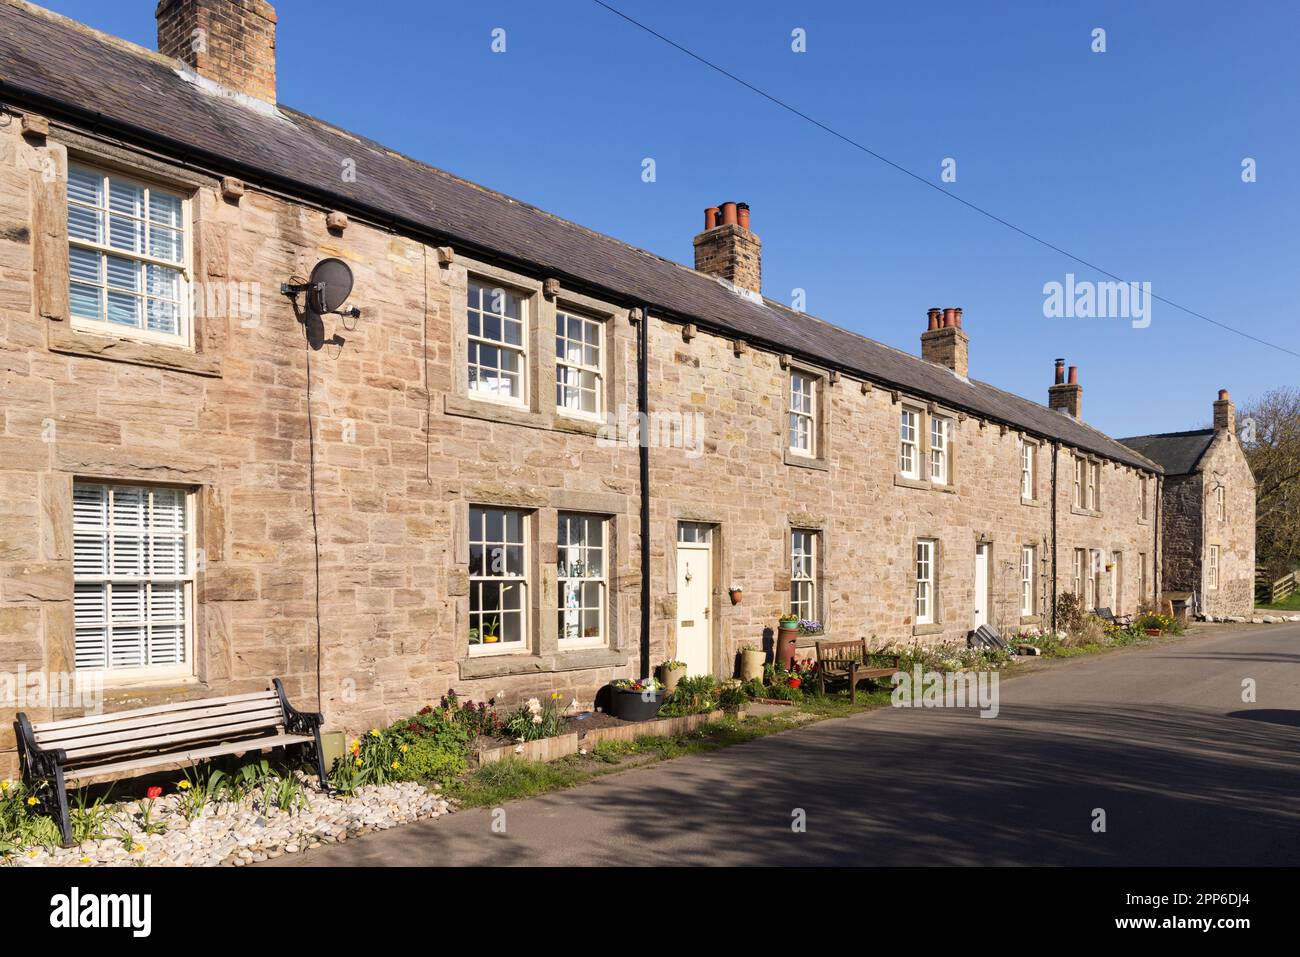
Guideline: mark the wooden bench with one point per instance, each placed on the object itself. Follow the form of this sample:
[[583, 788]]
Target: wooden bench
[[849, 661], [1105, 615], [54, 753]]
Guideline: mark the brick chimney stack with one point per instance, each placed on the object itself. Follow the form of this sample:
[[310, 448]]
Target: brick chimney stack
[[231, 42], [728, 249], [1225, 414], [1066, 396], [944, 342]]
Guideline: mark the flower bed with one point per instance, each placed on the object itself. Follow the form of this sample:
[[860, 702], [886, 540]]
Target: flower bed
[[173, 830]]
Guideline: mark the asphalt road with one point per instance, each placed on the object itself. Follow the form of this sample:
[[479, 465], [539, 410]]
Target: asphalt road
[[1158, 738]]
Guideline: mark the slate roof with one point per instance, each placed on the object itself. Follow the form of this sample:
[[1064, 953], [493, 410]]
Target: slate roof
[[68, 71], [1177, 452]]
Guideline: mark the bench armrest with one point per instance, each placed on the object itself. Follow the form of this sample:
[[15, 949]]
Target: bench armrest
[[299, 722], [37, 763]]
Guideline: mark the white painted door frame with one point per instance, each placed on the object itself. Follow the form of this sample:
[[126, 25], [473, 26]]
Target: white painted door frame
[[980, 611], [694, 606]]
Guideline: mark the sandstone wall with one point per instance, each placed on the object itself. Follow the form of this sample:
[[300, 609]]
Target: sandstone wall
[[401, 452], [1224, 465]]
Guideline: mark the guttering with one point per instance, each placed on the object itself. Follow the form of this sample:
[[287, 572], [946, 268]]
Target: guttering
[[643, 441]]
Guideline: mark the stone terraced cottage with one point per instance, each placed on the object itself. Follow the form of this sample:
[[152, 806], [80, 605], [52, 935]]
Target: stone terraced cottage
[[1208, 503], [204, 484]]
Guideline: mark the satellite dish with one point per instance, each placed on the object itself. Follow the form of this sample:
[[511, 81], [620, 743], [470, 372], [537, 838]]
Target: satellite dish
[[331, 284]]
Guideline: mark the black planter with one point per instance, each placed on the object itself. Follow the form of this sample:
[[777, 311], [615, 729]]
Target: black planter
[[630, 706]]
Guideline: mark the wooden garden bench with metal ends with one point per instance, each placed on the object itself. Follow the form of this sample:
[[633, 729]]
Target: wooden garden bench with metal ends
[[1111, 619], [55, 753], [849, 661]]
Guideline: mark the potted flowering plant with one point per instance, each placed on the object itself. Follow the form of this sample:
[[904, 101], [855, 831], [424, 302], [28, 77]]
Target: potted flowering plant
[[636, 699], [785, 640], [737, 593], [810, 626], [671, 672]]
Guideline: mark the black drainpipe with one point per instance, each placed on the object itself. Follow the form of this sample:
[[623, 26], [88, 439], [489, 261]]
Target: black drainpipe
[[1056, 451], [643, 406]]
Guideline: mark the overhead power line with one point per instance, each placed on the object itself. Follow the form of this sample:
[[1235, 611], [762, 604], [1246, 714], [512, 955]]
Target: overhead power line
[[777, 101]]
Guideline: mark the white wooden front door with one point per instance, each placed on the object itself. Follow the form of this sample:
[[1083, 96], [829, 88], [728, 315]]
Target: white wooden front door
[[981, 613], [694, 598]]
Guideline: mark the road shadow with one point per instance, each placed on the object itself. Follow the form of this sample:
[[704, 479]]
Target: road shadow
[[919, 787]]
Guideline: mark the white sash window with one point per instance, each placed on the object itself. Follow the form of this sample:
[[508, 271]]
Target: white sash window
[[127, 257], [580, 542], [133, 578]]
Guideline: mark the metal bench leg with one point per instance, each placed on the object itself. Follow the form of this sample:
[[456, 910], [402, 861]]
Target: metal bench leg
[[320, 762], [61, 796]]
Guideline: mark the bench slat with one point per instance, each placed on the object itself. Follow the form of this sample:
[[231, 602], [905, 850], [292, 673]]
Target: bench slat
[[80, 754], [187, 757], [156, 709], [129, 738], [128, 720]]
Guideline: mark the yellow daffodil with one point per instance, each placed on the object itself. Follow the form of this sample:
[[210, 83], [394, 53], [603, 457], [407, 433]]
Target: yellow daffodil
[[396, 765], [32, 802], [183, 785], [555, 696], [405, 748], [357, 762], [374, 732], [84, 860], [6, 784], [137, 848], [32, 853]]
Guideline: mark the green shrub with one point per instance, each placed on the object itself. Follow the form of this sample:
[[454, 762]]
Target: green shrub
[[697, 695], [427, 760], [430, 745], [1069, 612], [731, 696]]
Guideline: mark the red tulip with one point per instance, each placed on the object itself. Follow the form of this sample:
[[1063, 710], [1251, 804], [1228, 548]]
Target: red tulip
[[154, 792]]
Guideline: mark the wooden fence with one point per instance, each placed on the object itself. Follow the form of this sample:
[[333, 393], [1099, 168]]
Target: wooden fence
[[1276, 592]]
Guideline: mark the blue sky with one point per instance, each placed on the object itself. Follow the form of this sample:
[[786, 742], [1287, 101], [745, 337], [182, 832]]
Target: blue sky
[[1129, 158]]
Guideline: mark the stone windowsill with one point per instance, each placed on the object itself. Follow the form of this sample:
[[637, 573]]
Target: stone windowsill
[[1032, 502], [143, 694], [902, 481], [498, 666], [934, 628], [518, 415], [806, 461], [63, 338], [1031, 619], [1086, 512]]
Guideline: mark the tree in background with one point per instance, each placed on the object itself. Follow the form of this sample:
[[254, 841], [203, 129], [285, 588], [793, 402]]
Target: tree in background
[[1269, 427]]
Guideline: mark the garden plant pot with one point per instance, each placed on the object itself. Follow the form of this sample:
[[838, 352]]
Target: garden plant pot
[[669, 677], [736, 596], [1153, 632], [785, 646], [635, 705], [751, 663]]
